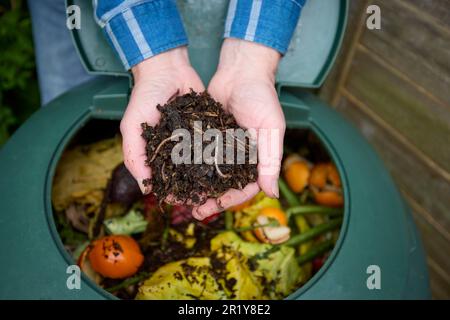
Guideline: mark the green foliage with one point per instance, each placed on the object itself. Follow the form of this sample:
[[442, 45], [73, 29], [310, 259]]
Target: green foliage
[[18, 85], [7, 119]]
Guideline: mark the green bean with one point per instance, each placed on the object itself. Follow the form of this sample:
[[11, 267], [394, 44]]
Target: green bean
[[304, 196], [314, 209], [228, 220], [315, 252], [128, 282], [313, 232], [287, 193]]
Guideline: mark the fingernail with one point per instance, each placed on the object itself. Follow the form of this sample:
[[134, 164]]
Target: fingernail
[[275, 190], [196, 215], [145, 189]]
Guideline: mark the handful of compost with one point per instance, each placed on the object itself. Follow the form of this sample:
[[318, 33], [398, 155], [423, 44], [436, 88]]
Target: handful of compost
[[197, 151]]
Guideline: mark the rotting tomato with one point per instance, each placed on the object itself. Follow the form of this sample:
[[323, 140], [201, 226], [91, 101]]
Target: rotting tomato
[[115, 256]]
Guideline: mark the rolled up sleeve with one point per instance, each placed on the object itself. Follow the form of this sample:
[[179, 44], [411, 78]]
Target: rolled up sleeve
[[268, 22], [138, 29]]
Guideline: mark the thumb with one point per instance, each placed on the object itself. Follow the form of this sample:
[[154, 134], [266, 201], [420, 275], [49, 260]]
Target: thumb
[[270, 153], [134, 154]]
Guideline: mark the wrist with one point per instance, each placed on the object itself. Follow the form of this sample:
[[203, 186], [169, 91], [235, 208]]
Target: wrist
[[172, 59], [247, 57]]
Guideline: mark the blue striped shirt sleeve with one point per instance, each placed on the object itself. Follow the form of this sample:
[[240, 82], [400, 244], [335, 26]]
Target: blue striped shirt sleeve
[[140, 29], [268, 22]]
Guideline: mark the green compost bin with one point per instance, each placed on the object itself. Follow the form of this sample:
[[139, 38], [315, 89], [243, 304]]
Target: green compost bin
[[378, 229]]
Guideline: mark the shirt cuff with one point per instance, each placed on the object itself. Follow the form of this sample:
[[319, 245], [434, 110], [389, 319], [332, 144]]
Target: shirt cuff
[[271, 23], [138, 30]]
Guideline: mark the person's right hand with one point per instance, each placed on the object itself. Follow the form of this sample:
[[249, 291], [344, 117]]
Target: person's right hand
[[245, 85], [156, 80]]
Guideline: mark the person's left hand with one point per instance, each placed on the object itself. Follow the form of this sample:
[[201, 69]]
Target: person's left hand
[[156, 80], [245, 84]]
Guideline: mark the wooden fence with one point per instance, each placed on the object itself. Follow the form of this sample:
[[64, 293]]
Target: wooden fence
[[394, 85]]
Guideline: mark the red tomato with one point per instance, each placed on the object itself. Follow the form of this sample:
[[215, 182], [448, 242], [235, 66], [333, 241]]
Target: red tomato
[[116, 256]]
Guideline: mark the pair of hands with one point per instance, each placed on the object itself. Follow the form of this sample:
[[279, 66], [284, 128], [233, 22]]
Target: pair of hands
[[243, 83]]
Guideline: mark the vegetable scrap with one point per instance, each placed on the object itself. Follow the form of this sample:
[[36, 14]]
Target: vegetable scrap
[[262, 249]]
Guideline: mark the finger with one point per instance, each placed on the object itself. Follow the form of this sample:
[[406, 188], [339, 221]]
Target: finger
[[231, 198], [133, 147], [270, 153], [234, 197], [195, 214], [172, 200], [207, 209]]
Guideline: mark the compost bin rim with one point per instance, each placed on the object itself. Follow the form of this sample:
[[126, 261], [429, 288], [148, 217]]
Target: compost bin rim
[[346, 215], [63, 143], [90, 116]]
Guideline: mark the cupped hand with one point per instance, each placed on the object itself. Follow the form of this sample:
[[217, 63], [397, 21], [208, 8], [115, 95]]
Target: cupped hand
[[245, 84], [155, 81]]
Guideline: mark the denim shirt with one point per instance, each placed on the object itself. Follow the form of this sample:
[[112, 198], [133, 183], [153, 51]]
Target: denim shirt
[[140, 29]]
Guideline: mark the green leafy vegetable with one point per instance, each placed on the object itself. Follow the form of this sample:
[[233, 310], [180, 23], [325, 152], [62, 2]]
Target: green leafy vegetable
[[133, 222], [278, 271], [185, 279]]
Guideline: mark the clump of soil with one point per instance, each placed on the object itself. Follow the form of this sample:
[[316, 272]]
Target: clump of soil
[[194, 183]]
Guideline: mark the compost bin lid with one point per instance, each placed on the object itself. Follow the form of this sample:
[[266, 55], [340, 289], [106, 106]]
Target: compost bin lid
[[310, 56]]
